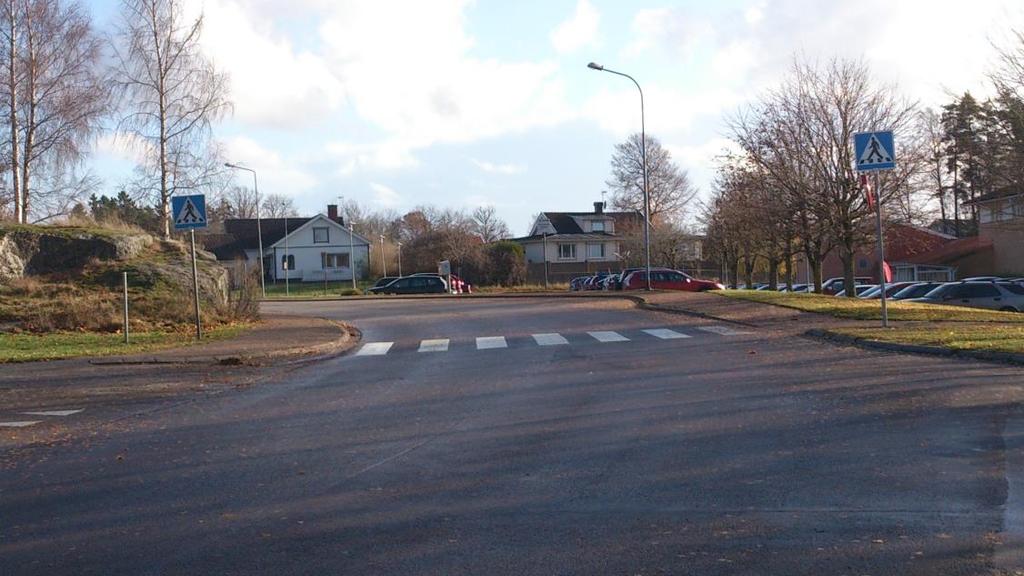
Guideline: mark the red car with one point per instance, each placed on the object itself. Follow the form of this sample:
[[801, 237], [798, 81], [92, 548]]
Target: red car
[[667, 279]]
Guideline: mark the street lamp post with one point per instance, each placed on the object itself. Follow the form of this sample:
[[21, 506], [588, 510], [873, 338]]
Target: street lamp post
[[643, 154], [259, 226], [383, 258], [352, 254], [399, 259]]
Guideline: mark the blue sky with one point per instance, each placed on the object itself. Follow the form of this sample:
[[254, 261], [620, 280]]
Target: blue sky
[[459, 103]]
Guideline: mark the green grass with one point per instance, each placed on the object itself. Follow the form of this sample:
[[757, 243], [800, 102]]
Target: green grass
[[972, 337], [314, 289], [25, 347], [524, 288], [857, 309]]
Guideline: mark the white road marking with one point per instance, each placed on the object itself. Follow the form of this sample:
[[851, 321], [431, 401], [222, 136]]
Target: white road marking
[[665, 334], [22, 424], [550, 339], [54, 412], [375, 349], [440, 345], [723, 330], [608, 336], [490, 342]]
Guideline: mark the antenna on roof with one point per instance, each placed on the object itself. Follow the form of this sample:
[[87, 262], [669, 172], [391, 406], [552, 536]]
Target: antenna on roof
[[603, 203]]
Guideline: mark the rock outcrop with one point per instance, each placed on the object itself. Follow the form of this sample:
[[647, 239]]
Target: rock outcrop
[[35, 250]]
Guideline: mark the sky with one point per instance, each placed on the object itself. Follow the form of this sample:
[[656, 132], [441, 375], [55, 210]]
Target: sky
[[460, 103]]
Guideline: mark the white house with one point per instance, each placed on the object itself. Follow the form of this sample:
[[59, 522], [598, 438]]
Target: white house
[[299, 249], [569, 244]]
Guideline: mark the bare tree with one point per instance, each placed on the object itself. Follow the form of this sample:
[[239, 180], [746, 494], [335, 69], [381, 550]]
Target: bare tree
[[55, 99], [488, 226], [170, 92], [669, 187], [278, 206]]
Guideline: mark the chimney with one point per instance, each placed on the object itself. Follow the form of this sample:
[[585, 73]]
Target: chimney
[[332, 212], [598, 207]]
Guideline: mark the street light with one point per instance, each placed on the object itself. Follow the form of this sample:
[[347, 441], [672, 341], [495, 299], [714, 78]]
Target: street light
[[383, 259], [259, 226], [399, 259], [643, 153]]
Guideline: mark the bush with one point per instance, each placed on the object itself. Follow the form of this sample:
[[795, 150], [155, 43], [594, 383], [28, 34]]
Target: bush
[[505, 264]]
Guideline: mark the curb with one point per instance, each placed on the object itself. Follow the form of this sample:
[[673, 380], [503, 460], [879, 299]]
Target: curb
[[350, 336], [984, 355]]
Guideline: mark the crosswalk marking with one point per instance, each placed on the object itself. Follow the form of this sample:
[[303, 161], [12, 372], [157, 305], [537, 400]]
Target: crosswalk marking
[[53, 413], [665, 334], [20, 424], [491, 342], [723, 330], [552, 339], [608, 336], [375, 349], [440, 345]]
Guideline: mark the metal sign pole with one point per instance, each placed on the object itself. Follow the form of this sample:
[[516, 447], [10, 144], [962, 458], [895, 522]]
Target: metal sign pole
[[352, 255], [881, 251], [195, 285], [124, 278]]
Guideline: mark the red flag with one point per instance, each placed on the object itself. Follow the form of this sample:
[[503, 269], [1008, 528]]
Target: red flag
[[868, 192]]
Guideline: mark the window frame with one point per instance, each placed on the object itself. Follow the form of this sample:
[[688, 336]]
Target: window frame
[[326, 259], [571, 246], [594, 226], [326, 230], [601, 256]]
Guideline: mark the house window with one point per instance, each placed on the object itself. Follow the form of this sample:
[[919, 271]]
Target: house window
[[567, 251], [597, 226], [288, 262], [595, 250], [321, 235], [331, 261]]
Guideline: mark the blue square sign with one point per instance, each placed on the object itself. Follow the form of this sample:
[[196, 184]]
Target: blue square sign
[[874, 151], [188, 212]]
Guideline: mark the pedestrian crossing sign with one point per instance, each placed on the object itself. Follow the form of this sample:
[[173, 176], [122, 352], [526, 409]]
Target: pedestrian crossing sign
[[874, 151], [189, 212]]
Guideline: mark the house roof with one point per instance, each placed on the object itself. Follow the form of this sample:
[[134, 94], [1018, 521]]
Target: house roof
[[293, 229], [952, 250], [1000, 194], [565, 222], [241, 234], [596, 236]]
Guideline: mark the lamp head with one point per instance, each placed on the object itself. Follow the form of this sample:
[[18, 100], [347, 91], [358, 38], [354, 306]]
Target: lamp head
[[595, 66]]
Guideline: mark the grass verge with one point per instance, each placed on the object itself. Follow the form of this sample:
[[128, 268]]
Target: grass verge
[[315, 289], [26, 347], [857, 309], [1006, 338]]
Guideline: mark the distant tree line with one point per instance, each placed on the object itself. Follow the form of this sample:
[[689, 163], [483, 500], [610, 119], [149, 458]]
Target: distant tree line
[[789, 189]]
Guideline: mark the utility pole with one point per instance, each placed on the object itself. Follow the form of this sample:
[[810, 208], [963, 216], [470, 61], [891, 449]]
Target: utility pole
[[383, 258]]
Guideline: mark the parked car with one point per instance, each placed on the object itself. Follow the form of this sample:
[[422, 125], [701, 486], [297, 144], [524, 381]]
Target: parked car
[[860, 288], [383, 281], [413, 285], [668, 279], [916, 290], [834, 285], [1005, 296], [890, 289], [798, 288]]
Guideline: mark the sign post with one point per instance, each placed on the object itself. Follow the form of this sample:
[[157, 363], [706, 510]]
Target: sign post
[[444, 268], [874, 152], [190, 214]]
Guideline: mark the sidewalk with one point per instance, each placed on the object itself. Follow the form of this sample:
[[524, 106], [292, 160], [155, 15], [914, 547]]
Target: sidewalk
[[274, 338]]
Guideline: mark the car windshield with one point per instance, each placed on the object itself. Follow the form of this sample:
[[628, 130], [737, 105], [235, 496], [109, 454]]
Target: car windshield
[[940, 292]]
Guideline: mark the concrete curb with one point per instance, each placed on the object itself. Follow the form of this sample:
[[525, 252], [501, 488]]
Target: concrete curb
[[350, 336], [984, 355]]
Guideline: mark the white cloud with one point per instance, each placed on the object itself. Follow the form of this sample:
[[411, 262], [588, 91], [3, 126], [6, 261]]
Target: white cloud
[[579, 31], [493, 168], [666, 28], [277, 175], [384, 196], [384, 155], [272, 84], [414, 78]]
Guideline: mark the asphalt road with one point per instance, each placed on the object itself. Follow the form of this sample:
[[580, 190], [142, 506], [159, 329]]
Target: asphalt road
[[719, 452]]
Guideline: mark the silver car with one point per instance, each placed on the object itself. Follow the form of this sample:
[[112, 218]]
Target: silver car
[[1004, 296]]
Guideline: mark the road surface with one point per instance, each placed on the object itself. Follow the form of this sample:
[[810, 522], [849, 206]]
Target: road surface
[[545, 436]]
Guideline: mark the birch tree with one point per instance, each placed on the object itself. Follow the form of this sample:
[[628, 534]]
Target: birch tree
[[54, 99], [170, 93]]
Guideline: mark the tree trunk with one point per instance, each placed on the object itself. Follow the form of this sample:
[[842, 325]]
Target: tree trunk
[[28, 151], [12, 87], [773, 274], [849, 284], [789, 264], [748, 271]]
